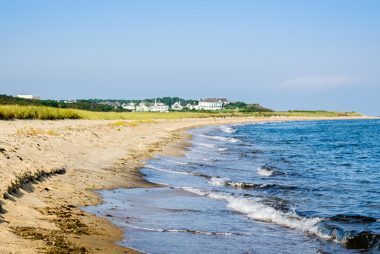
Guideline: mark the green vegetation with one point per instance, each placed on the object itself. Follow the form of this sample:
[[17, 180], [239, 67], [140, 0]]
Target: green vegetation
[[244, 107], [91, 105], [9, 112], [166, 100], [115, 105]]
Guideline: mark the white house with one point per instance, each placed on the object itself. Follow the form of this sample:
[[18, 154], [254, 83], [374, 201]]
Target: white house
[[142, 107], [159, 107], [177, 106], [212, 103], [129, 106], [70, 101], [192, 106], [28, 96]]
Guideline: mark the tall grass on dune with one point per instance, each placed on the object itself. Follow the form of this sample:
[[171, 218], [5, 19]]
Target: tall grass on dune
[[9, 112]]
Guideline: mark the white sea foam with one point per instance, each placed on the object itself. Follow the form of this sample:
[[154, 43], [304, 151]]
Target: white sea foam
[[259, 211], [264, 171], [217, 181], [198, 151], [176, 162], [223, 181], [223, 149], [227, 129], [225, 139], [205, 145], [168, 171], [192, 231], [208, 159]]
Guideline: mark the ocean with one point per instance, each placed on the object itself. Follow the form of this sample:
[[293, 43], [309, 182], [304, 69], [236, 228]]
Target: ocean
[[274, 187]]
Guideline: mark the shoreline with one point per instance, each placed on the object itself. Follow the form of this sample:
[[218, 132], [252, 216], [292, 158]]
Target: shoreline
[[43, 204]]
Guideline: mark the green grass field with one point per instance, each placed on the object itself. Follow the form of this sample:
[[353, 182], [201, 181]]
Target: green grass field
[[10, 112]]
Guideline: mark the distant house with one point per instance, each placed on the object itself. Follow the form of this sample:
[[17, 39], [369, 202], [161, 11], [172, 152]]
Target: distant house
[[192, 106], [177, 106], [159, 107], [28, 96], [69, 101], [129, 106], [212, 103], [142, 107]]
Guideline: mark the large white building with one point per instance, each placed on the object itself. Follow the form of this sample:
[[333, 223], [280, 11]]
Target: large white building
[[142, 107], [129, 106], [159, 107], [156, 107], [212, 103], [28, 96]]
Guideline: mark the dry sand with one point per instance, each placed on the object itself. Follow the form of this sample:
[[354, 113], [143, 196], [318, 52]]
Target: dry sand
[[48, 169]]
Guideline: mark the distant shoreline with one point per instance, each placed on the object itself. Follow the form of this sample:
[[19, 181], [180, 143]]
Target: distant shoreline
[[51, 168], [15, 111]]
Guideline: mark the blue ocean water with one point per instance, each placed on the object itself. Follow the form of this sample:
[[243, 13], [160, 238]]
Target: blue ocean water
[[275, 187]]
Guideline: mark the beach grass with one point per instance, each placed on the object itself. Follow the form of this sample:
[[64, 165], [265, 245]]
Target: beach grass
[[10, 112]]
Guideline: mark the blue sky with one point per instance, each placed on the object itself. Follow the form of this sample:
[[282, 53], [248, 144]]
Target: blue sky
[[321, 54]]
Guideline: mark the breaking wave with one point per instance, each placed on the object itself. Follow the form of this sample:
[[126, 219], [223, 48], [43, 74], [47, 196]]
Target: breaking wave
[[225, 139], [177, 162], [227, 129], [259, 211], [221, 181], [168, 171], [184, 230], [279, 212], [179, 172], [218, 181], [205, 145], [268, 171]]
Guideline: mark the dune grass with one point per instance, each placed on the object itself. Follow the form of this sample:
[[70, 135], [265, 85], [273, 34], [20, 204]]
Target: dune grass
[[9, 112]]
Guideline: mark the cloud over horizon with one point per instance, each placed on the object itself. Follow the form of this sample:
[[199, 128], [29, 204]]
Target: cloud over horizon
[[318, 82]]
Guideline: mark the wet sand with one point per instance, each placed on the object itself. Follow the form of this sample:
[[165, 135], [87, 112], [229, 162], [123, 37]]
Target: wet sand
[[49, 169]]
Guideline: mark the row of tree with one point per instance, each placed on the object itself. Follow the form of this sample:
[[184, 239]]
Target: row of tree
[[115, 105]]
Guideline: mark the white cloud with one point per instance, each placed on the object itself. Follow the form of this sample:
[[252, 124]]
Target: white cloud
[[318, 82]]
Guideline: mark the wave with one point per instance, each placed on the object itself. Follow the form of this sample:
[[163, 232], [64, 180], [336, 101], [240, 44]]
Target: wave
[[168, 171], [353, 218], [185, 230], [279, 212], [362, 240], [179, 172], [176, 162], [261, 212], [221, 181], [263, 171], [218, 181], [351, 239], [225, 139], [205, 145], [268, 171], [227, 129]]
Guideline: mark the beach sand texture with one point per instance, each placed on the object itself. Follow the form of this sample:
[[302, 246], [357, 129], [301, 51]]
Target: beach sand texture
[[49, 169]]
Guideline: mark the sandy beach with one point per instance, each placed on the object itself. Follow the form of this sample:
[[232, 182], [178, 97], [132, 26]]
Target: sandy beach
[[49, 169]]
